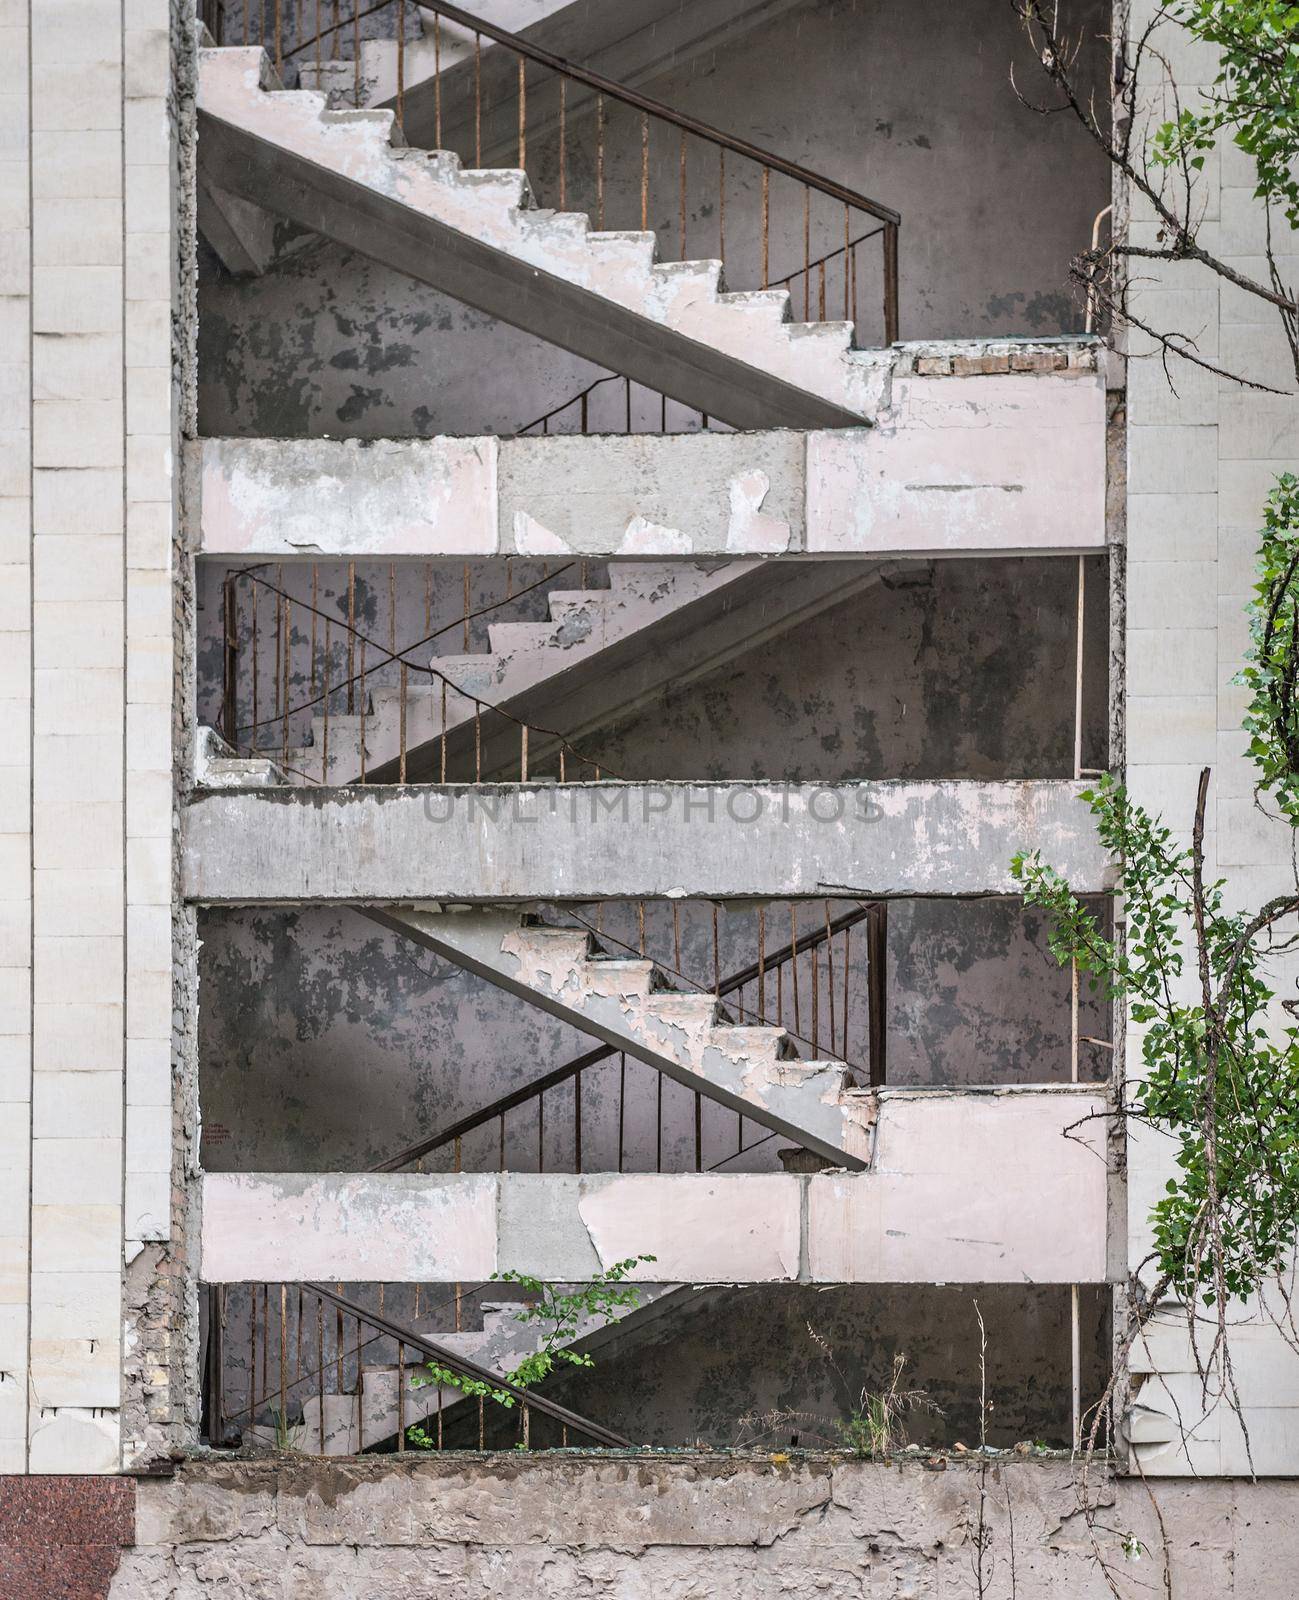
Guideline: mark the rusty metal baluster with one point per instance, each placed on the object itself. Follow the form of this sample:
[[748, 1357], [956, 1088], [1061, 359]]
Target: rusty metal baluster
[[816, 997], [401, 64], [890, 282], [829, 973], [297, 1354], [362, 740], [717, 963], [324, 743], [459, 1288], [466, 606], [284, 1343], [793, 958], [428, 598], [644, 172], [351, 637], [847, 247], [658, 1127], [439, 1416], [478, 99], [541, 1131], [401, 726], [284, 698], [676, 937], [682, 197], [356, 54], [527, 1433], [663, 413], [562, 776], [807, 251], [246, 34], [820, 290], [523, 752], [699, 1131], [253, 731], [279, 631], [437, 80], [877, 937], [482, 1425], [853, 281], [442, 778], [585, 396], [563, 143], [847, 963], [315, 595], [780, 994], [622, 1104], [252, 1353], [762, 963], [279, 38], [401, 1396], [338, 1341], [766, 224], [392, 608], [335, 32], [627, 382], [577, 1120], [523, 114], [317, 43], [320, 1370], [266, 1340], [230, 660], [640, 927], [478, 741], [599, 160], [501, 1147], [721, 204]]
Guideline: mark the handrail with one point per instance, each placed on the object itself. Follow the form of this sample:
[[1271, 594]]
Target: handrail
[[656, 108], [471, 1369], [551, 1080]]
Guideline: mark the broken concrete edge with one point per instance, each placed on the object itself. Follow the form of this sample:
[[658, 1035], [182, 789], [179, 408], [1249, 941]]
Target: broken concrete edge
[[916, 1217], [1012, 464], [674, 840]]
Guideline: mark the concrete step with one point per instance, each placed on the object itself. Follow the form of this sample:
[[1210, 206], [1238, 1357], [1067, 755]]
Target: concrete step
[[666, 325]]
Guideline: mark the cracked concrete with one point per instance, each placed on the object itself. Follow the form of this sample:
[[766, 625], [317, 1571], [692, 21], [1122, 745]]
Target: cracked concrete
[[678, 1528]]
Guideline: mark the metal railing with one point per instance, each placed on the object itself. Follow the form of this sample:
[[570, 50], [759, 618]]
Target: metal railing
[[289, 659], [305, 1341], [770, 991], [628, 159]]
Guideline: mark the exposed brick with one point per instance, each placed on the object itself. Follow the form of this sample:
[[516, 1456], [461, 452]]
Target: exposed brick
[[933, 366]]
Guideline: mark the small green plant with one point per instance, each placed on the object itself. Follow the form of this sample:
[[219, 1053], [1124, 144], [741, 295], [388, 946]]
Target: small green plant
[[872, 1426], [558, 1317], [287, 1434]]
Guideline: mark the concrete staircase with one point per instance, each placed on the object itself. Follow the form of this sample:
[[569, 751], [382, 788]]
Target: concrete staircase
[[478, 236], [625, 1002], [369, 1414], [603, 654]]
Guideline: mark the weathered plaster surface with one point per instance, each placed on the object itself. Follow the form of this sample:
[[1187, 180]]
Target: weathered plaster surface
[[805, 1528], [954, 465], [1043, 1220], [608, 840]]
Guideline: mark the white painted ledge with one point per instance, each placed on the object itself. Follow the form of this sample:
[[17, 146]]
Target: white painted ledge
[[969, 1186]]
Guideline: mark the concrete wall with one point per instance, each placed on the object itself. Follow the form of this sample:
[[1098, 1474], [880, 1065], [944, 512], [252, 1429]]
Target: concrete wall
[[1008, 457], [89, 285], [706, 1525], [1202, 453], [913, 1218], [328, 343]]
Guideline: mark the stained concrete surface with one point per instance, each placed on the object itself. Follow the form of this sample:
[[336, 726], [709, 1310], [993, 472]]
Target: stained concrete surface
[[618, 1528], [913, 105]]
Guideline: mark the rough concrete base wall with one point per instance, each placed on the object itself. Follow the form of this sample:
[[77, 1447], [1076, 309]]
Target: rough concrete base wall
[[713, 1525]]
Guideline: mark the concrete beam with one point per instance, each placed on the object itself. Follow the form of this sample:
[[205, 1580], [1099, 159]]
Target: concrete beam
[[403, 845], [1025, 1201], [1008, 463]]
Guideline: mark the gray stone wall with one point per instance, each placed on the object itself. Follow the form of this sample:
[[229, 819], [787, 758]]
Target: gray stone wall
[[707, 1525]]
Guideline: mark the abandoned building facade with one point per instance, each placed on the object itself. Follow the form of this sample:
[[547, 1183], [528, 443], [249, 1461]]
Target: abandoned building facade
[[551, 558]]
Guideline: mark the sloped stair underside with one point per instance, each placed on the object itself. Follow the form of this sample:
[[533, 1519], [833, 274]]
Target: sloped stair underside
[[477, 236], [689, 1036]]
